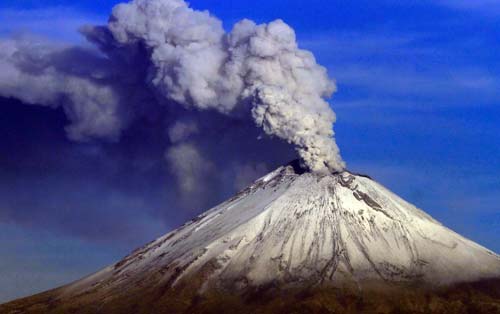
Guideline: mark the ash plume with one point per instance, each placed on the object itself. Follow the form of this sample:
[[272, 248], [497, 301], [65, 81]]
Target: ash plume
[[162, 58]]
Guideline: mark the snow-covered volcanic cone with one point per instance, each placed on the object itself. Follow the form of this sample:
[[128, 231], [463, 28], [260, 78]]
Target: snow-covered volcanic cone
[[311, 239]]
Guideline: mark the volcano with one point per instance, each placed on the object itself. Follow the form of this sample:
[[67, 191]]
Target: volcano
[[294, 242]]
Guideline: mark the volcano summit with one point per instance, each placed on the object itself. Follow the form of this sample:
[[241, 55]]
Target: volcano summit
[[294, 242]]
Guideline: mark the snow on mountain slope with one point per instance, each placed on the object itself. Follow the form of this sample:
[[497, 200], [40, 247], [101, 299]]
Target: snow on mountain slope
[[292, 226]]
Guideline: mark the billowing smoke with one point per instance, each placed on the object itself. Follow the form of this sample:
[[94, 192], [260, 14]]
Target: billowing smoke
[[34, 73], [160, 59]]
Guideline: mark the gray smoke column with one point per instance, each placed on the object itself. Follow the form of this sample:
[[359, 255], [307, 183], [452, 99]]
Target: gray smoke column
[[190, 62], [196, 64]]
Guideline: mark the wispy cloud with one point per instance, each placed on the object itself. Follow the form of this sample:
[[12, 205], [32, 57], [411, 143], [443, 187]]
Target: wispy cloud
[[428, 68], [443, 86], [57, 23], [484, 6]]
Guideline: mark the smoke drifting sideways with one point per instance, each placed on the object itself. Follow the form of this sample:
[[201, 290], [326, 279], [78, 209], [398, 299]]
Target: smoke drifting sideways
[[159, 61]]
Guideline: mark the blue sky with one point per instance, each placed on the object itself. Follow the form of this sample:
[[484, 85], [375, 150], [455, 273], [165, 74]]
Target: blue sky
[[417, 108]]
